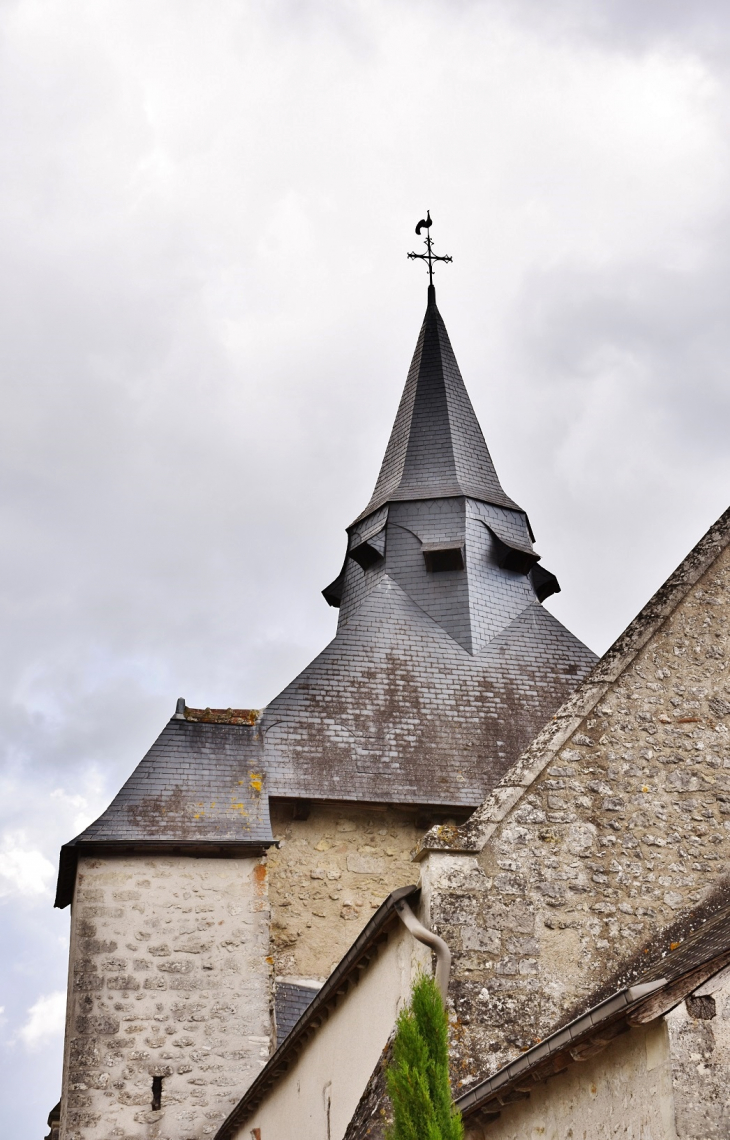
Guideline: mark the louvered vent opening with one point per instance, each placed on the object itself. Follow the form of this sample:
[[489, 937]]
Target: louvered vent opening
[[440, 557]]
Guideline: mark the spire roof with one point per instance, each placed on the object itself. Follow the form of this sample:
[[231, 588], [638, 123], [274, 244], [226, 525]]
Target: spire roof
[[436, 448]]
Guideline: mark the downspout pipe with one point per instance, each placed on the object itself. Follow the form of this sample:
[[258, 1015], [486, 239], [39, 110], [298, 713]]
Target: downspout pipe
[[439, 947]]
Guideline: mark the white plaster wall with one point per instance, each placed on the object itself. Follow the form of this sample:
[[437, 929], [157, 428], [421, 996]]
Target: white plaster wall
[[169, 977], [317, 1097], [624, 1091]]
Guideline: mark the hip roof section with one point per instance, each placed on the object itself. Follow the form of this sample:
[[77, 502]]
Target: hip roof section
[[199, 783]]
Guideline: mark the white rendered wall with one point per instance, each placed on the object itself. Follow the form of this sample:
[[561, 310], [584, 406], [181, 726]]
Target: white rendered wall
[[168, 977], [317, 1097]]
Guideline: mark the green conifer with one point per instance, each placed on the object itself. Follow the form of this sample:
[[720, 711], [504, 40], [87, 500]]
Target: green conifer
[[418, 1075]]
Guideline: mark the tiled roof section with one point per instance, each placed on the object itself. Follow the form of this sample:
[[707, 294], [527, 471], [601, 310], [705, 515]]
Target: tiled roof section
[[436, 448], [395, 710], [199, 783]]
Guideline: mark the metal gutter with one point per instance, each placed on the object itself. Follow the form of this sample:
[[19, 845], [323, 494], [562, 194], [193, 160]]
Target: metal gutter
[[345, 974]]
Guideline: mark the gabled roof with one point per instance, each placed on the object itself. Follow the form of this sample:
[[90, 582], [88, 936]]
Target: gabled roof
[[436, 448]]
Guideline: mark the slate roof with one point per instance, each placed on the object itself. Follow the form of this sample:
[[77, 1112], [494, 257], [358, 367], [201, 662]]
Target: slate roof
[[435, 681], [436, 447], [200, 788], [291, 1001], [396, 710]]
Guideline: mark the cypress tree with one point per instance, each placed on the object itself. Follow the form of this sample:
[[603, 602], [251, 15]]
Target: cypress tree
[[418, 1075]]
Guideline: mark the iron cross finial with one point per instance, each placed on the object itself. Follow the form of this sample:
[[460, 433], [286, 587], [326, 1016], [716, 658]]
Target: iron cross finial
[[429, 256]]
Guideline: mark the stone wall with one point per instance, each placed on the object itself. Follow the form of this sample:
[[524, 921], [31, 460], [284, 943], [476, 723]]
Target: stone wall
[[667, 1080], [169, 978], [699, 1046], [329, 874], [624, 1091], [593, 846]]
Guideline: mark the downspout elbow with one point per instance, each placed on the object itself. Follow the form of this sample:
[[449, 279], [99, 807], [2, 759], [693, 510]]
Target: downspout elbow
[[423, 934]]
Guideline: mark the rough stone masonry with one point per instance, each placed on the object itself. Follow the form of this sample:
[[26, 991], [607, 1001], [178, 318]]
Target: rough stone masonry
[[168, 993], [613, 825]]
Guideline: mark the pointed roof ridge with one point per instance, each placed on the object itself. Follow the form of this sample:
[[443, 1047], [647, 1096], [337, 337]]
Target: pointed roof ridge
[[436, 448]]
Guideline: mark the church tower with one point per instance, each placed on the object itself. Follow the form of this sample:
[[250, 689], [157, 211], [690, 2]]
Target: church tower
[[248, 847]]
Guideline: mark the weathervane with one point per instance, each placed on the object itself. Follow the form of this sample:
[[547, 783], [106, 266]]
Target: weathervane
[[429, 256]]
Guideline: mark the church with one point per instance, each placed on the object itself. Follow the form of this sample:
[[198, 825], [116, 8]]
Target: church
[[253, 854]]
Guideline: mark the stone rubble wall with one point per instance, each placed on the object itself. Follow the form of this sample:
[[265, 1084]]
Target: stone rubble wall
[[169, 977], [331, 872], [622, 832]]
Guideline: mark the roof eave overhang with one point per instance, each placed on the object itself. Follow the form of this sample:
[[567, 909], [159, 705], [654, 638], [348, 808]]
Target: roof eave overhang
[[585, 1036], [198, 848]]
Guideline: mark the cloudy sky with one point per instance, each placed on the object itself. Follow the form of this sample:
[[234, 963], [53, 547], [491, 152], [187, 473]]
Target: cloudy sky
[[207, 316]]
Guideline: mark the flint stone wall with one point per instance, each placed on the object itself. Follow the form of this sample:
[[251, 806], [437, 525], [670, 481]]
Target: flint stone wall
[[169, 977], [621, 833]]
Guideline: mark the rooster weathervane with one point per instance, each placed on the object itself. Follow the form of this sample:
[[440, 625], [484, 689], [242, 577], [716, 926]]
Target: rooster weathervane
[[429, 256]]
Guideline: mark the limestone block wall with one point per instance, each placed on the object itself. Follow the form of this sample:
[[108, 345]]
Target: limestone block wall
[[329, 874], [169, 978], [590, 849]]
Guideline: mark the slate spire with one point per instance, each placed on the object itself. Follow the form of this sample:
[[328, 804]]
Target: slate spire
[[436, 448]]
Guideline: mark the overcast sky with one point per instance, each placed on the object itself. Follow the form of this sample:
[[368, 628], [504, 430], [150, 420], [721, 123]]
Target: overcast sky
[[207, 316]]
